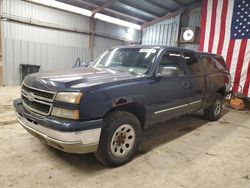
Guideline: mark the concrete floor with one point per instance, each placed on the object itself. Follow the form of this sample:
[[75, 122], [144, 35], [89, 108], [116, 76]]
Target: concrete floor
[[185, 152]]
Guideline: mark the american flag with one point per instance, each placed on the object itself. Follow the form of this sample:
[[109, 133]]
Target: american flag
[[225, 30]]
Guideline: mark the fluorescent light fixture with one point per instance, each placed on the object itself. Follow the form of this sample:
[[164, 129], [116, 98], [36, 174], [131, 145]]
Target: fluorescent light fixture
[[63, 6], [131, 30], [85, 12], [128, 36], [116, 21], [130, 33]]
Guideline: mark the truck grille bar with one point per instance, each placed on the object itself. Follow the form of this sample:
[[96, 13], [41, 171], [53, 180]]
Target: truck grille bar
[[37, 100]]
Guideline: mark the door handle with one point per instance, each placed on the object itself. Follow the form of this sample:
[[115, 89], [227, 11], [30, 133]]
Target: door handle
[[186, 84]]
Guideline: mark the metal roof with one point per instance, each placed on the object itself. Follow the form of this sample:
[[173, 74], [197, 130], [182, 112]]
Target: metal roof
[[135, 11]]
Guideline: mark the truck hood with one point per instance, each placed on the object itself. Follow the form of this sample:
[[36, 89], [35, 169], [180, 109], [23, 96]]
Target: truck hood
[[75, 78]]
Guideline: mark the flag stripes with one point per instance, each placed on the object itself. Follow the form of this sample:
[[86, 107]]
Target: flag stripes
[[215, 37]]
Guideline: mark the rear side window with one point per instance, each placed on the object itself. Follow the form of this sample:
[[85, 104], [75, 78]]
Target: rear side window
[[219, 63], [193, 63], [213, 64], [208, 64]]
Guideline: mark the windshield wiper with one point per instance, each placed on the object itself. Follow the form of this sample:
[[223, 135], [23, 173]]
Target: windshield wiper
[[113, 69], [119, 70], [133, 73]]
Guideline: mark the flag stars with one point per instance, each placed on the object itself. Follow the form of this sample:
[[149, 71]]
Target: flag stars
[[240, 22]]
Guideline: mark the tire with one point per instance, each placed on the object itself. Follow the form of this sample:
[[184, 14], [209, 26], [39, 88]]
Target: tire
[[119, 139], [213, 112]]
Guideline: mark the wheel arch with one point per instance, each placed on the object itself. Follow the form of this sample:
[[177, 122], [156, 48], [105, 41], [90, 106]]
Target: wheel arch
[[135, 108], [221, 91]]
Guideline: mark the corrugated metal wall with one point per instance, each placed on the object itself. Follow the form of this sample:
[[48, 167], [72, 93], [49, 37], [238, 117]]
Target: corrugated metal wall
[[115, 31], [191, 18], [50, 48], [165, 32]]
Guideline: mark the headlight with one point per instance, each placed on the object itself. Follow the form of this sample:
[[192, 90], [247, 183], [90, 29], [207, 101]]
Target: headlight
[[65, 113], [69, 97]]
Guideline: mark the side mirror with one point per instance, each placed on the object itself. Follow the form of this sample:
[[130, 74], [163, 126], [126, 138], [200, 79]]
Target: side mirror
[[87, 64], [167, 72]]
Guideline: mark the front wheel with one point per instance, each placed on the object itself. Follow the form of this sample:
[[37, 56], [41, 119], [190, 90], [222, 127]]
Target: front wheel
[[213, 112], [119, 138]]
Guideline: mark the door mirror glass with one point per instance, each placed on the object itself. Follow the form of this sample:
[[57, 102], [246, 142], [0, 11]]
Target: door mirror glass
[[168, 72]]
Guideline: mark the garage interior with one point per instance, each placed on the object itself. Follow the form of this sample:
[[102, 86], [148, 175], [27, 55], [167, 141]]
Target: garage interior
[[184, 152]]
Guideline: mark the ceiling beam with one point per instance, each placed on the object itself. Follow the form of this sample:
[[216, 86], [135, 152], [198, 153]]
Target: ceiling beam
[[159, 5], [172, 14], [140, 8], [178, 2], [102, 7], [134, 14], [80, 3], [157, 20], [133, 17]]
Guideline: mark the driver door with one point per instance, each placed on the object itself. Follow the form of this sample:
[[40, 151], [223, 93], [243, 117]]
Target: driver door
[[170, 94]]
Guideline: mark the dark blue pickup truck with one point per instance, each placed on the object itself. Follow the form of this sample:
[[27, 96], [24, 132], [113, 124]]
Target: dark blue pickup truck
[[103, 108]]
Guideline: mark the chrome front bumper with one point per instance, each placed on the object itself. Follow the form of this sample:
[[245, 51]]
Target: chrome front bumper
[[72, 142]]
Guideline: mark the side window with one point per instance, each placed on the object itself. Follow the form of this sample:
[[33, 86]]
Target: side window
[[208, 64], [219, 63], [171, 58], [193, 63]]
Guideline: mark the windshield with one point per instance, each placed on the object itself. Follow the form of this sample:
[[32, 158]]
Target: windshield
[[132, 60]]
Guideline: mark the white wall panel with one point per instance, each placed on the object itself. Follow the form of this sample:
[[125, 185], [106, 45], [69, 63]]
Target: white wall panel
[[192, 18], [29, 10], [50, 48], [163, 33], [102, 44]]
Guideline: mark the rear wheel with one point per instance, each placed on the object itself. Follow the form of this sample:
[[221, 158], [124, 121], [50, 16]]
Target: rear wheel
[[119, 138], [213, 112]]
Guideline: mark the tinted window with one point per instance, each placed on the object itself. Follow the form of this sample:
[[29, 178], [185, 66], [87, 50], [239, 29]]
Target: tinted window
[[219, 63], [208, 64], [213, 63], [193, 63], [171, 59]]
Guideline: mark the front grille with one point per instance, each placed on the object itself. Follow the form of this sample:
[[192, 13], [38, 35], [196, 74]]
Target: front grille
[[37, 100], [36, 106], [46, 95]]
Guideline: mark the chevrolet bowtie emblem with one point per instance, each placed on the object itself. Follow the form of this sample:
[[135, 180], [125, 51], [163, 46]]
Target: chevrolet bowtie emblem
[[31, 96]]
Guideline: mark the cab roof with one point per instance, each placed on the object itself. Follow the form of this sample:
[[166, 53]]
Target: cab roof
[[164, 47]]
